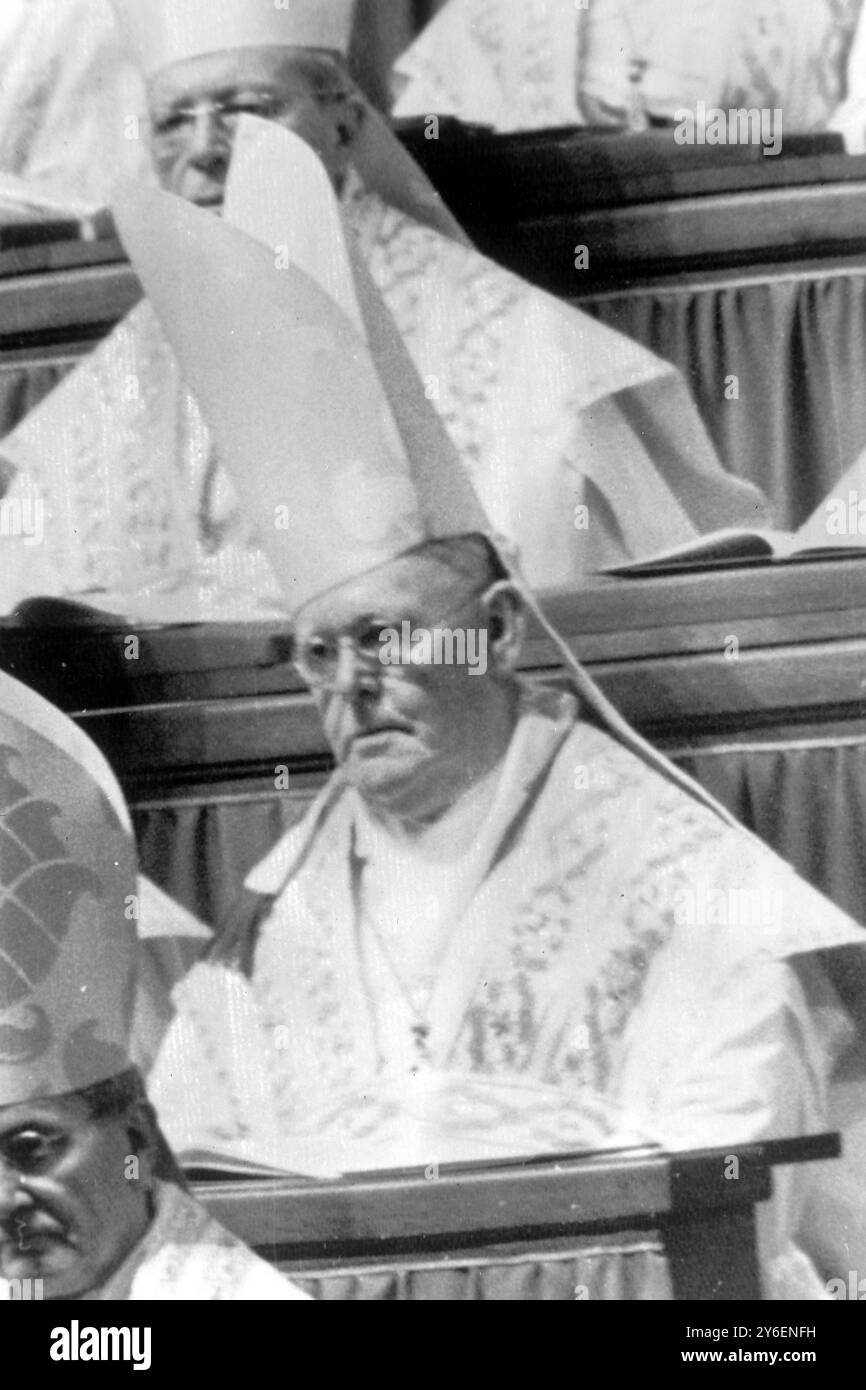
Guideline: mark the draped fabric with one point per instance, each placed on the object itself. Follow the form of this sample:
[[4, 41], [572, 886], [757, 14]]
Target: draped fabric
[[795, 419], [807, 799], [383, 29], [621, 1268], [201, 850]]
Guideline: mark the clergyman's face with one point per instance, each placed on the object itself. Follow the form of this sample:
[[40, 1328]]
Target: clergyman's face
[[410, 735], [195, 106], [70, 1207]]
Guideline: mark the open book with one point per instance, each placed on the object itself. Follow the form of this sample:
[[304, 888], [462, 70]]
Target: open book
[[833, 530], [441, 1119]]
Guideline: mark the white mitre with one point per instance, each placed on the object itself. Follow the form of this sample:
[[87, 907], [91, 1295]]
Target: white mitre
[[326, 431], [162, 32]]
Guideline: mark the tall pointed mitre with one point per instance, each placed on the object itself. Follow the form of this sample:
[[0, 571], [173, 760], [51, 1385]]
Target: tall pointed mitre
[[162, 32], [67, 896], [299, 369], [285, 377]]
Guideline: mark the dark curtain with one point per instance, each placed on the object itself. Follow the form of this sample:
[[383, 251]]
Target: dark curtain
[[383, 30], [200, 851], [797, 347], [22, 388], [807, 800]]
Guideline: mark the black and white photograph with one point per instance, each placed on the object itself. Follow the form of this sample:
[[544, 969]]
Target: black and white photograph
[[433, 662]]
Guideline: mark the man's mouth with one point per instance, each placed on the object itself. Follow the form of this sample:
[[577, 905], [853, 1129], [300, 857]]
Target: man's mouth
[[31, 1240], [372, 743], [379, 731]]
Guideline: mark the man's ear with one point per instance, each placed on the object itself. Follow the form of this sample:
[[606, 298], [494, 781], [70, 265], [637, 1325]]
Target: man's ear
[[353, 114], [143, 1130], [506, 625], [148, 1143]]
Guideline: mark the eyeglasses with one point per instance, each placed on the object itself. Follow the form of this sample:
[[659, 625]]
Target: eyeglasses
[[173, 129], [317, 658]]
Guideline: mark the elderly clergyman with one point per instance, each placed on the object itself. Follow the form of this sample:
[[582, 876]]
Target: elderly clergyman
[[499, 882], [90, 1201], [585, 448]]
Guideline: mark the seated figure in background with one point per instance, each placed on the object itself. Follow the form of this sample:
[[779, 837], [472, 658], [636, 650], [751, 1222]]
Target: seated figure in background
[[91, 1203], [628, 63], [500, 884], [494, 63], [585, 448], [644, 60]]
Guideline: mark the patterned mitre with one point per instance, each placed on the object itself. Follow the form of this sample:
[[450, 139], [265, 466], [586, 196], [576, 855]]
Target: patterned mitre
[[162, 32], [320, 417], [67, 883]]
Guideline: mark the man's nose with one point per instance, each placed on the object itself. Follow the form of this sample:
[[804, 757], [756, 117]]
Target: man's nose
[[11, 1195], [207, 143], [354, 675]]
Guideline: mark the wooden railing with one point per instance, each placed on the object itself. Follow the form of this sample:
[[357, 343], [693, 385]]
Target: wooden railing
[[764, 649], [372, 1222]]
